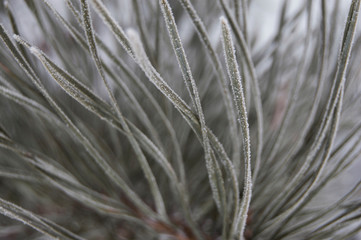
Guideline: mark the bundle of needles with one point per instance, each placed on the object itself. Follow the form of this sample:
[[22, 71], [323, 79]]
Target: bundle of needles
[[179, 120]]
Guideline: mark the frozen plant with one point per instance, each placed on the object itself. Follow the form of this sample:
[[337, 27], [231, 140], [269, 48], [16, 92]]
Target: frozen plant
[[175, 119]]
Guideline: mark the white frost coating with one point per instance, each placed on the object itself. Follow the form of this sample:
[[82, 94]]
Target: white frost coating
[[142, 60], [113, 25], [139, 53], [238, 94], [153, 75], [154, 188], [194, 95], [134, 38], [180, 54], [17, 38], [337, 87], [88, 146], [136, 45], [223, 20], [34, 50]]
